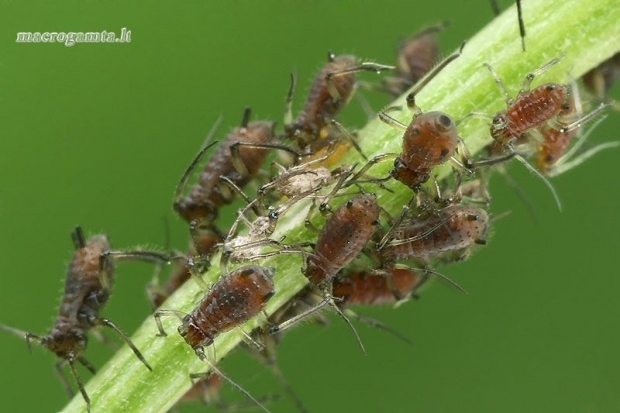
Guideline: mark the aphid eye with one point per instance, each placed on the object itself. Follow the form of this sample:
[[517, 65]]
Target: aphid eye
[[59, 336], [500, 121], [550, 88], [566, 107], [443, 123], [415, 131], [444, 153]]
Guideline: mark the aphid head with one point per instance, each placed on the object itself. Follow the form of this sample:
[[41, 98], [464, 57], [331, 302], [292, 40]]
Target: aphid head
[[192, 333], [65, 343]]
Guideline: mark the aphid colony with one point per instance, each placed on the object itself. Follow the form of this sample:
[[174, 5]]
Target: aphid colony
[[360, 252]]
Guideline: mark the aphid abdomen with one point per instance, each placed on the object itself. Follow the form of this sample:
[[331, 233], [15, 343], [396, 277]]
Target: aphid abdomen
[[416, 57], [343, 237], [231, 301], [531, 110], [456, 228]]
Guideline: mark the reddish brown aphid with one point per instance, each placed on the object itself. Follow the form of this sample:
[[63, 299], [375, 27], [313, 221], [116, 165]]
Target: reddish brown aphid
[[331, 90], [342, 239], [234, 299], [448, 235], [87, 290], [416, 56], [364, 288], [530, 110]]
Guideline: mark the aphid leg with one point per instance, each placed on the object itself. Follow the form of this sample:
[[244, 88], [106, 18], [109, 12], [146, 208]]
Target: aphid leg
[[157, 315], [324, 207], [530, 76], [107, 323], [387, 119], [500, 85], [521, 24], [78, 380], [107, 259], [87, 364], [203, 357], [569, 160], [194, 270], [349, 137], [536, 172], [394, 226], [360, 174]]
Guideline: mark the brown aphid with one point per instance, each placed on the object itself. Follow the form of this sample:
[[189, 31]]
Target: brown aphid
[[343, 237], [530, 110], [87, 290], [231, 301], [416, 56], [210, 193], [447, 235], [368, 288], [331, 90], [234, 299]]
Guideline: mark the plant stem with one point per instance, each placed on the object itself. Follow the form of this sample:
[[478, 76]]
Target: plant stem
[[589, 32]]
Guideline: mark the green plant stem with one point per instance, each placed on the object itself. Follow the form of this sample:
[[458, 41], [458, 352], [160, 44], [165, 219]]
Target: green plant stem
[[588, 31]]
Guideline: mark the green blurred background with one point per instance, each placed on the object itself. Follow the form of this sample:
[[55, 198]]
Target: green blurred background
[[99, 134]]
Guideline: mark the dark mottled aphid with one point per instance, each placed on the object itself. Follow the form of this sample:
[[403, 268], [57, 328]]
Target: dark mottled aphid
[[87, 290]]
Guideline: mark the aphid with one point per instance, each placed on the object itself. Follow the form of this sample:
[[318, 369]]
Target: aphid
[[237, 160], [368, 288], [342, 239], [416, 56], [87, 290], [429, 140], [530, 110], [496, 11], [234, 299], [331, 90], [552, 156], [448, 235], [602, 78]]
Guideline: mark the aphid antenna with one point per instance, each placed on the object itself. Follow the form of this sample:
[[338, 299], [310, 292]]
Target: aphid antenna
[[364, 66], [443, 277], [240, 166], [108, 257], [373, 322], [25, 335], [536, 172], [178, 193], [107, 323], [203, 357], [394, 243]]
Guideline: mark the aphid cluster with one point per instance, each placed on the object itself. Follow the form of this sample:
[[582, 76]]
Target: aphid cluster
[[362, 253]]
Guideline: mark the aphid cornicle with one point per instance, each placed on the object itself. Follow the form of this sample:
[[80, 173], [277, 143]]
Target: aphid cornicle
[[87, 290], [234, 299]]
